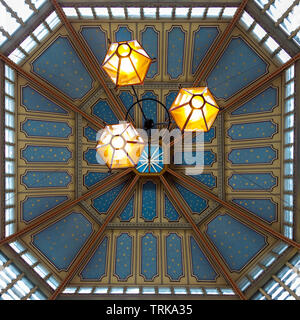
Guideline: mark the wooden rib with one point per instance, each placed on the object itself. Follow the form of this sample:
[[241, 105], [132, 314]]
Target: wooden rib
[[234, 209], [97, 237], [202, 238], [44, 218], [48, 91], [86, 51], [216, 50]]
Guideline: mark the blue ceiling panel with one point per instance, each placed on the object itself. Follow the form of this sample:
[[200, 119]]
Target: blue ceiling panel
[[254, 130], [264, 102], [252, 181], [192, 158], [256, 155], [149, 210], [92, 177], [34, 153], [103, 202], [128, 213], [97, 266], [46, 129], [265, 209], [206, 178], [34, 101], [170, 212], [60, 65], [92, 157], [204, 37], [127, 98], [123, 256], [201, 268], [33, 207], [123, 34], [61, 242], [174, 257], [195, 202], [208, 137], [103, 111], [150, 44], [237, 68], [235, 241], [149, 250], [150, 106], [175, 53], [96, 40], [46, 179], [90, 134]]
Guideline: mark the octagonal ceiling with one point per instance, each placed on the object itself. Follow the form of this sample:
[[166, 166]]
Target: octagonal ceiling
[[99, 232]]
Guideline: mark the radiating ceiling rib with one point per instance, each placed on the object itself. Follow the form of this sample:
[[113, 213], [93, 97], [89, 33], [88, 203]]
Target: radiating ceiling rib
[[203, 69], [49, 92], [202, 238], [86, 52], [259, 85], [69, 204], [96, 238], [235, 210]]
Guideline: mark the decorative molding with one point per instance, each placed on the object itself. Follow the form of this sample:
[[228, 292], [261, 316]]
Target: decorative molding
[[79, 156], [92, 100], [149, 225], [214, 207], [221, 156], [91, 211]]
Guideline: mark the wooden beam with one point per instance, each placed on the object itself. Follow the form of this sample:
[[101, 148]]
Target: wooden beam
[[88, 55], [215, 52], [202, 238], [260, 84], [49, 92], [97, 237], [234, 208], [69, 204]]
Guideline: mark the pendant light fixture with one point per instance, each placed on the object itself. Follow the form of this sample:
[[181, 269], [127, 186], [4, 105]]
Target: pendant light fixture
[[194, 109], [127, 64]]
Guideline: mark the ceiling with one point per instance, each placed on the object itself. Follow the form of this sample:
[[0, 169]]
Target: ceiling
[[78, 231]]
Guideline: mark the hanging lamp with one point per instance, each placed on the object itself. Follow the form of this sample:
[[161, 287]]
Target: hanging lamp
[[194, 109]]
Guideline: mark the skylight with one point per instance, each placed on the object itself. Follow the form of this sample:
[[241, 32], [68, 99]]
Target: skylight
[[165, 12], [149, 12], [284, 13], [134, 12], [86, 13], [118, 12], [197, 12], [14, 13]]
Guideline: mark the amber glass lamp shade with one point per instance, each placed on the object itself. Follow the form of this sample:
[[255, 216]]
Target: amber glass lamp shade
[[120, 146], [194, 109], [126, 63]]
